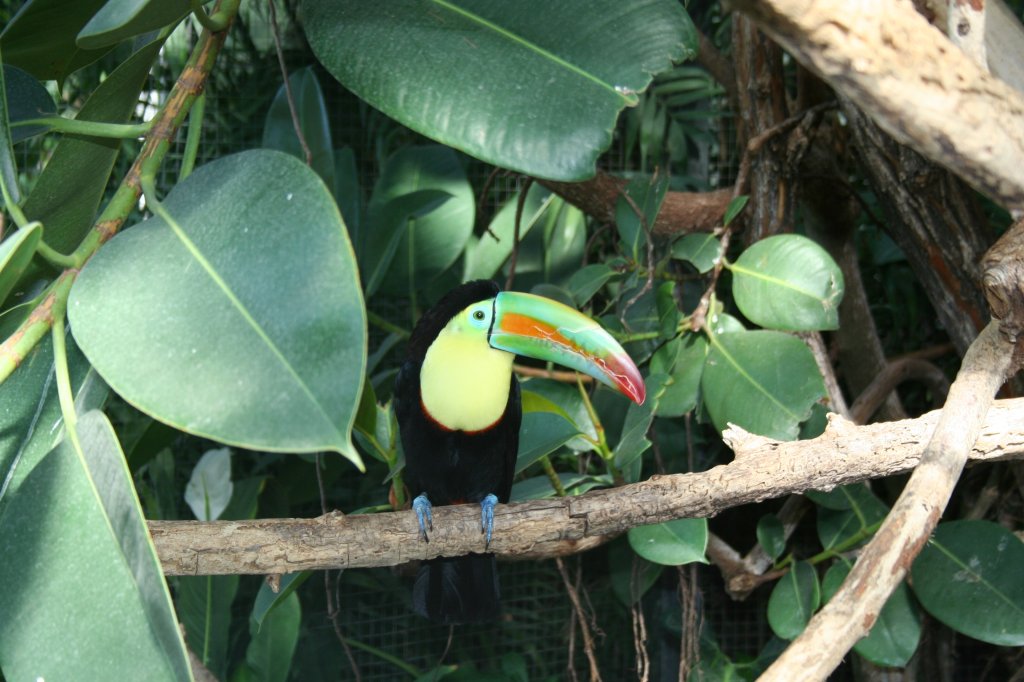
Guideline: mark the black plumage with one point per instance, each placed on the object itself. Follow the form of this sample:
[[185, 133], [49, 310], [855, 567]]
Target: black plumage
[[455, 467]]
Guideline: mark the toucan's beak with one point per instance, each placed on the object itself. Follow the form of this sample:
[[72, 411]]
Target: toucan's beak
[[543, 329]]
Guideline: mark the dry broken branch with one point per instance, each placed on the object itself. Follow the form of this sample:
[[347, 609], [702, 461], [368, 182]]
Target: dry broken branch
[[911, 80], [763, 468]]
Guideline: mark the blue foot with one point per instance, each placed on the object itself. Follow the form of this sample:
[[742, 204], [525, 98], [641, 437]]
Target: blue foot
[[424, 514], [487, 516]]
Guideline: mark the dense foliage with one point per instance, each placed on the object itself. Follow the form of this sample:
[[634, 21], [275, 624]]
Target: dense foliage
[[229, 352]]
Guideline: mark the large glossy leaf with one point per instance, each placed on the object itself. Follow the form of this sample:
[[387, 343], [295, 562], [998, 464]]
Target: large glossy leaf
[[204, 606], [86, 572], [794, 600], [245, 323], [40, 38], [788, 282], [969, 577], [552, 252], [530, 85], [15, 254], [68, 192], [269, 655], [634, 442], [279, 128], [541, 434], [701, 249], [672, 543], [427, 244], [209, 487], [587, 281], [30, 414], [485, 255], [894, 637], [682, 359], [121, 19], [26, 99], [763, 381]]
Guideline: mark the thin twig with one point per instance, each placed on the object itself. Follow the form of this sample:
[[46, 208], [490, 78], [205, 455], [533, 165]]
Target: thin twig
[[292, 109], [514, 256], [581, 617]]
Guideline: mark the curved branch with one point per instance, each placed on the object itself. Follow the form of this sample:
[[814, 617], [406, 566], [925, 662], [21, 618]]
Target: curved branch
[[763, 468], [849, 615], [911, 80], [894, 374], [681, 212]]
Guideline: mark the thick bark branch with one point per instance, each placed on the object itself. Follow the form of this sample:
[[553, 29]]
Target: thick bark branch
[[852, 611], [915, 84], [763, 468], [681, 212]]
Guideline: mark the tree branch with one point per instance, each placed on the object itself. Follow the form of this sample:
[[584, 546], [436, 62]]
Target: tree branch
[[911, 80], [681, 212], [852, 611], [763, 468]]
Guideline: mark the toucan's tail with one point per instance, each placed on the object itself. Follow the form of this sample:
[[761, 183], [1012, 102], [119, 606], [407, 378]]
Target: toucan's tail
[[453, 590]]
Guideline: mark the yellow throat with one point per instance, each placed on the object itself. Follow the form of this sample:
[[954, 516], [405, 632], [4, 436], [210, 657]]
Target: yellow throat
[[464, 383]]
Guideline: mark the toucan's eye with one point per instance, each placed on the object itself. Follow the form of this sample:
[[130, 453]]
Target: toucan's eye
[[478, 315]]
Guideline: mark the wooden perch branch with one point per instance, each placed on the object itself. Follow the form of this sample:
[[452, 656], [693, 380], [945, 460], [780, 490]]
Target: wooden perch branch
[[763, 468], [911, 80], [885, 561]]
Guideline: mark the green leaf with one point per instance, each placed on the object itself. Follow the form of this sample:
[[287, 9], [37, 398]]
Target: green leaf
[[587, 281], [31, 413], [552, 253], [67, 194], [119, 20], [279, 130], [736, 205], [349, 195], [668, 312], [87, 571], [837, 526], [771, 535], [539, 487], [634, 441], [500, 81], [763, 381], [647, 194], [894, 637], [210, 327], [969, 577], [631, 576], [683, 360], [672, 543], [395, 220], [267, 599], [701, 249], [270, 651], [541, 434], [209, 488], [485, 255], [788, 282], [40, 38], [794, 600], [569, 402], [427, 243], [204, 606], [16, 253]]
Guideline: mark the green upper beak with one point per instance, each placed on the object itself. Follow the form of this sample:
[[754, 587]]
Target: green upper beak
[[543, 329]]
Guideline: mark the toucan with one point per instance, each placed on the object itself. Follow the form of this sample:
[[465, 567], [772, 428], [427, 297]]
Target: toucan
[[458, 408]]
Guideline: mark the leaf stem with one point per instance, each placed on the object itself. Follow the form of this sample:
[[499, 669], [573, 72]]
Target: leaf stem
[[60, 358], [56, 258], [375, 319], [195, 130], [214, 23], [12, 206], [556, 482], [73, 126]]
